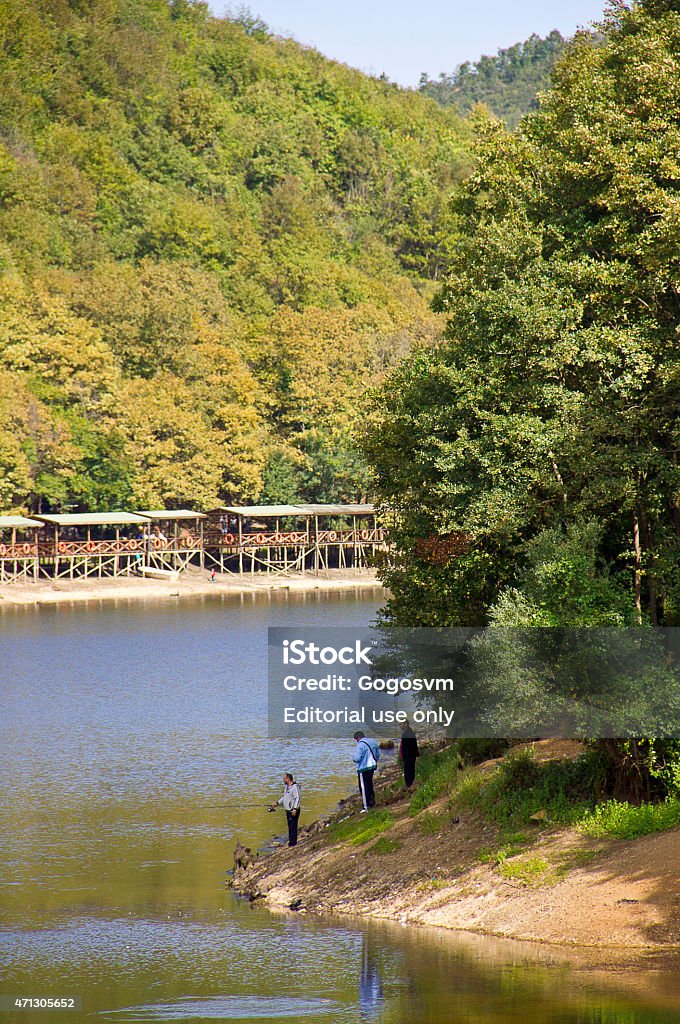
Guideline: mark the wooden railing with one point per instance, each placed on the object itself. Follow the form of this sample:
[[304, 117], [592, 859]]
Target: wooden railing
[[48, 549], [131, 546], [21, 549], [283, 539]]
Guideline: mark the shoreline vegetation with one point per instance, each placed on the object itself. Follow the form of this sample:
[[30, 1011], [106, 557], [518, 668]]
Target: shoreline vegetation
[[192, 584], [514, 847]]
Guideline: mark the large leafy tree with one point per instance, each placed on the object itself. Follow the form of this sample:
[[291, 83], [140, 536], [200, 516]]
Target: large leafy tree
[[554, 400]]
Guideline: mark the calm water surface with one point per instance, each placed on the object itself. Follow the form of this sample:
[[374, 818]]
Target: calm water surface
[[124, 730]]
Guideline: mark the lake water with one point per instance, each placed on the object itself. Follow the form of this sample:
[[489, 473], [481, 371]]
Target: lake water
[[124, 730]]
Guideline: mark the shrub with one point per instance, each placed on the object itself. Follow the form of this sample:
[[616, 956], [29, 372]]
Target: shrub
[[627, 821], [474, 751], [437, 774], [521, 786]]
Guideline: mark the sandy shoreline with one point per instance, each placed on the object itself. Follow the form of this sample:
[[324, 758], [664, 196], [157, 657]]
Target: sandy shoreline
[[191, 584]]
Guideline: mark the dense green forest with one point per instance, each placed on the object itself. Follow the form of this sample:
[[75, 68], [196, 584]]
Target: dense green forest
[[532, 460], [534, 456], [507, 84], [212, 241]]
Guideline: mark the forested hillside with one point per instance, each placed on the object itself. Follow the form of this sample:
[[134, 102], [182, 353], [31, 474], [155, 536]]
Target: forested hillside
[[211, 242], [507, 84]]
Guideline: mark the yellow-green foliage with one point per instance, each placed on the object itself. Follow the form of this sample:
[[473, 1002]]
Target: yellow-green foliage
[[621, 820], [361, 829], [211, 242]]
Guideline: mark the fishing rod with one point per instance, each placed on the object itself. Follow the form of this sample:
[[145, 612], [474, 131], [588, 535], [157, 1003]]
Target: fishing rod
[[236, 807]]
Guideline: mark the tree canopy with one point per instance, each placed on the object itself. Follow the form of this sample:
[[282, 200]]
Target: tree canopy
[[508, 84], [540, 440]]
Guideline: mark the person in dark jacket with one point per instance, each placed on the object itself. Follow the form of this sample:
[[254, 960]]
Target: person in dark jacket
[[408, 752]]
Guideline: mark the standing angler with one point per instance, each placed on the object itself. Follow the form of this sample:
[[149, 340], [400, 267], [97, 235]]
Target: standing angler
[[408, 752], [291, 805], [366, 757]]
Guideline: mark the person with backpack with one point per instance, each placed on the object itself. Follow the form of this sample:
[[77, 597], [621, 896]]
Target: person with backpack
[[290, 801], [366, 757]]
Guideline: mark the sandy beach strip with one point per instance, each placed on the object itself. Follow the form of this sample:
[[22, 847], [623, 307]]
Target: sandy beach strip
[[190, 584]]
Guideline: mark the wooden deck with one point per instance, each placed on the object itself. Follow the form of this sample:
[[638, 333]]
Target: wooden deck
[[165, 543]]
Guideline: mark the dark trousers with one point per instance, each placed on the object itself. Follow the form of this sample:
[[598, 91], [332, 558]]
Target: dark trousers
[[366, 788], [409, 770], [292, 826]]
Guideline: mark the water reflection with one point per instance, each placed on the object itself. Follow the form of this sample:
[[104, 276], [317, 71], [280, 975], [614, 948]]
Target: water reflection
[[232, 1008], [370, 985], [125, 731]]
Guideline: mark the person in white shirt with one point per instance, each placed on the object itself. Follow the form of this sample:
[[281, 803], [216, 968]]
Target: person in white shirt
[[290, 801]]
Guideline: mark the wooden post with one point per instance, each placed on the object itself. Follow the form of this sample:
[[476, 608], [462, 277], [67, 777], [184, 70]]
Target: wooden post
[[201, 559], [354, 541], [240, 543], [316, 545]]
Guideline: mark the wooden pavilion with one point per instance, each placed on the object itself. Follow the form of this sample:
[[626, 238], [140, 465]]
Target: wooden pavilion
[[173, 538], [19, 549], [291, 538], [92, 544], [164, 542]]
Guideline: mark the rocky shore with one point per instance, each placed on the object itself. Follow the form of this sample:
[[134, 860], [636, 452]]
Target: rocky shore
[[437, 869]]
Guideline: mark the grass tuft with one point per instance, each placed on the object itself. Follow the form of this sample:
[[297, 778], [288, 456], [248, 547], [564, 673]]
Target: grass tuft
[[433, 885], [431, 824], [527, 870], [386, 845], [362, 828]]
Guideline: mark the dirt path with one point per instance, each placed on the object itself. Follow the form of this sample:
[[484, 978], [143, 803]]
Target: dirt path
[[563, 888]]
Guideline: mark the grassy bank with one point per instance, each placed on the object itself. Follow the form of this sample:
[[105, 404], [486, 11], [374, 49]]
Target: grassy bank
[[524, 792]]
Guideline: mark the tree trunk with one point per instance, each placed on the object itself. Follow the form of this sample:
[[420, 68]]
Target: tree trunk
[[651, 581], [675, 503], [637, 575]]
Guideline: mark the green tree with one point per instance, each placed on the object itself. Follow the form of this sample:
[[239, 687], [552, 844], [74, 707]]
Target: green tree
[[554, 400]]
